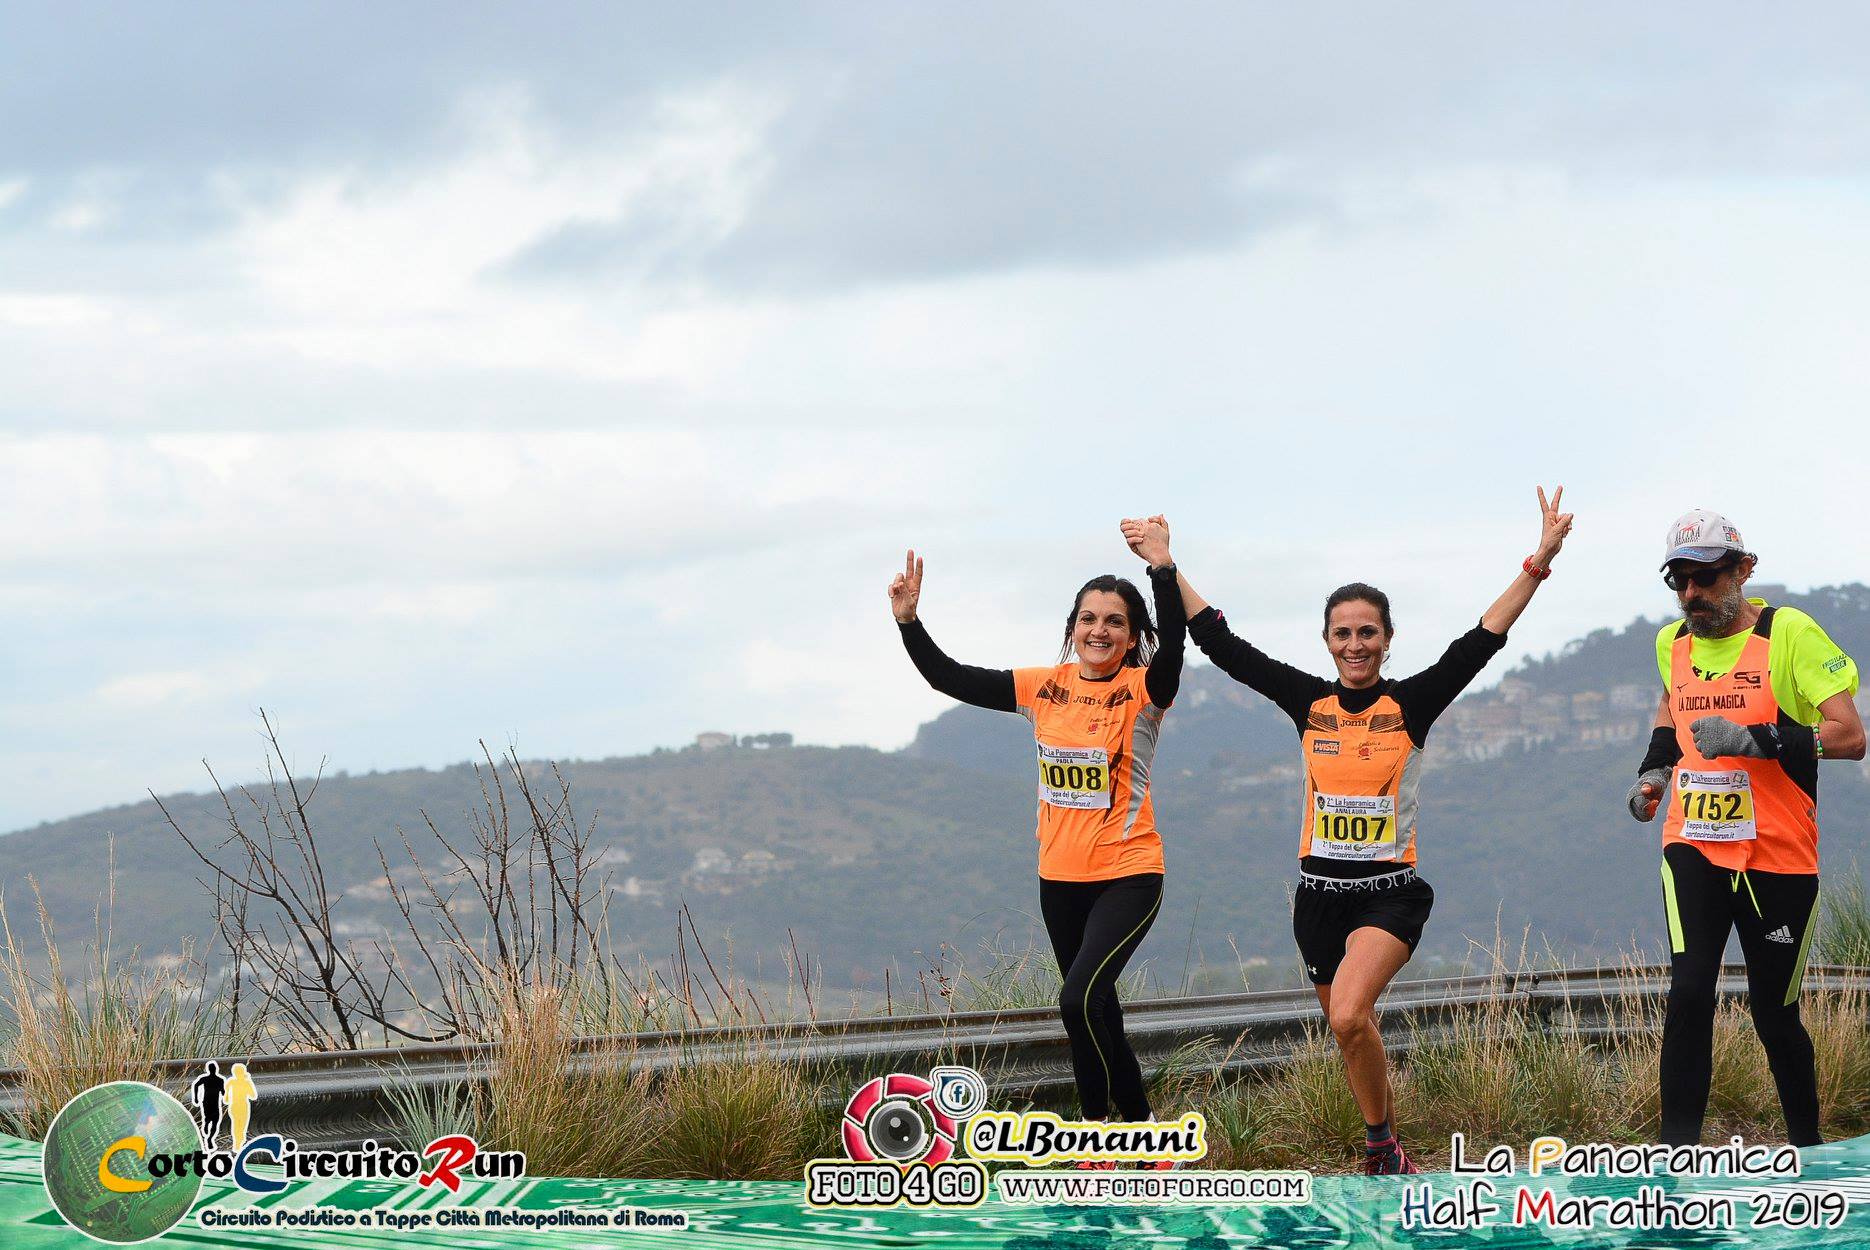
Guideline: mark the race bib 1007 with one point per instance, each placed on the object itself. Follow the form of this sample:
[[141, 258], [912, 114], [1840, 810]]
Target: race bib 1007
[[1716, 807], [1074, 776], [1354, 826]]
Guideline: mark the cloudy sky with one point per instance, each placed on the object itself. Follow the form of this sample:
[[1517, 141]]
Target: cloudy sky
[[575, 376]]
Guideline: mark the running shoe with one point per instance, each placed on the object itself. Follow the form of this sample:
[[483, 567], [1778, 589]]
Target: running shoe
[[1159, 1165], [1096, 1165], [1386, 1158]]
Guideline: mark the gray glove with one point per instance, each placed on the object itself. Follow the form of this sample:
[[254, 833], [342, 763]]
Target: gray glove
[[1716, 736], [1647, 793]]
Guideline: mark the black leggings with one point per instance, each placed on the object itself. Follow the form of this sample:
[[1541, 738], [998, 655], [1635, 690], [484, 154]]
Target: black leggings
[[1095, 927], [1774, 913]]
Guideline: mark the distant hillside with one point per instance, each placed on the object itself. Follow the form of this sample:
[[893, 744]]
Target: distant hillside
[[822, 841], [874, 858], [1605, 657], [1239, 731]]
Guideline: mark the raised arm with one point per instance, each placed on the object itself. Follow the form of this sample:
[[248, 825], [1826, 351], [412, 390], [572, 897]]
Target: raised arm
[[991, 688], [1149, 539], [1554, 526], [1292, 689], [1428, 693]]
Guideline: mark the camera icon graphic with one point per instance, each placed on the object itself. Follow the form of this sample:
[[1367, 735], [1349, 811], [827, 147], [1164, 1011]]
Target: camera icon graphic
[[904, 1118]]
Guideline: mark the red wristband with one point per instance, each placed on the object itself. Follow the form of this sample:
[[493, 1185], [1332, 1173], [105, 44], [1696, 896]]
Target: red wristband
[[1535, 570]]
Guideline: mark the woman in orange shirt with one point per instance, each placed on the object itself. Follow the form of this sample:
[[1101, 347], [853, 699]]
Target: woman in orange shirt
[[1095, 721], [1359, 909]]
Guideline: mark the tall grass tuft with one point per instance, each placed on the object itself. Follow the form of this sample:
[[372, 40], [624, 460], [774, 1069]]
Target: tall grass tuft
[[1844, 922], [1635, 1061], [422, 1113], [1309, 1106], [1501, 1072], [1009, 979], [750, 1117], [1839, 1024], [1741, 1091], [118, 1023], [558, 1102], [584, 1107]]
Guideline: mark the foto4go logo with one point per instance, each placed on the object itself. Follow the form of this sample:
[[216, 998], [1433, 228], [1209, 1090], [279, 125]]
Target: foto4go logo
[[124, 1162], [899, 1133]]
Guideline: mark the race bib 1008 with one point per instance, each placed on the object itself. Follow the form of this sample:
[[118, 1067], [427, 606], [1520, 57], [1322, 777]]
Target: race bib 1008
[[1716, 807], [1074, 776], [1354, 826]]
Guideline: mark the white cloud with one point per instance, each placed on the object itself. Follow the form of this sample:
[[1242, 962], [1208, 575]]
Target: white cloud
[[366, 267], [50, 312], [356, 439], [142, 692], [80, 217]]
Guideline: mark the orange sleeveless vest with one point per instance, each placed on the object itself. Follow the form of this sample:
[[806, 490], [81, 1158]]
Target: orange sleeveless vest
[[1363, 777], [1739, 812]]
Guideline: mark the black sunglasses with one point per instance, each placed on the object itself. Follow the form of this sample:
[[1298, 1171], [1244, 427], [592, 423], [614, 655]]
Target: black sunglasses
[[1703, 576]]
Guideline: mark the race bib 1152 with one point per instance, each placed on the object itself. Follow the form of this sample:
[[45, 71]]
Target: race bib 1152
[[1716, 807]]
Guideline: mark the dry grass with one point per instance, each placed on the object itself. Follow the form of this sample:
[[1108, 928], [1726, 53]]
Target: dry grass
[[1836, 1021], [1843, 935], [1499, 1072], [750, 1117], [112, 1019], [1502, 1073], [583, 1110]]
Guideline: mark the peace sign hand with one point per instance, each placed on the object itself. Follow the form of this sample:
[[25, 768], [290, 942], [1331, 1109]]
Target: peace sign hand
[[906, 589], [1555, 526]]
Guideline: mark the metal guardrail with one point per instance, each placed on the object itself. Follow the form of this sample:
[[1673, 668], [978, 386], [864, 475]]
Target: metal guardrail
[[341, 1097]]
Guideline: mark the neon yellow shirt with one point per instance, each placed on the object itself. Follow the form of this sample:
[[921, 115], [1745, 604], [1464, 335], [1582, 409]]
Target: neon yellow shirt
[[1807, 667]]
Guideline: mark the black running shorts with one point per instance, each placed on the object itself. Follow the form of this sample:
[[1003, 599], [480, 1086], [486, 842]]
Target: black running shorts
[[1322, 918]]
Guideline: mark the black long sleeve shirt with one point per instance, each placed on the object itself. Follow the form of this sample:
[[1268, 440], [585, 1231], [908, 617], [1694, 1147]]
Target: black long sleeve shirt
[[992, 688], [1423, 697]]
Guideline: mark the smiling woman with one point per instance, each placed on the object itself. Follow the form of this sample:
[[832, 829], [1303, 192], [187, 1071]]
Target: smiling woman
[[1095, 723], [1360, 907]]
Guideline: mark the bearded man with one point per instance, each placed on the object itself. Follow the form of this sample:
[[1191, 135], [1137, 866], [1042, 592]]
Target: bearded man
[[1754, 697]]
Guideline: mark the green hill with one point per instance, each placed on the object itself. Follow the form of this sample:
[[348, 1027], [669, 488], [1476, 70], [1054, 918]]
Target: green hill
[[874, 859]]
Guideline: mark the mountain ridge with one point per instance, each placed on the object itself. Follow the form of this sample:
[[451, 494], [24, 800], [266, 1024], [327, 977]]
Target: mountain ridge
[[871, 859]]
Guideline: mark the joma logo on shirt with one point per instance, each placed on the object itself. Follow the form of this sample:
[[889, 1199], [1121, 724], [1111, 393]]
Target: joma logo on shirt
[[1055, 693]]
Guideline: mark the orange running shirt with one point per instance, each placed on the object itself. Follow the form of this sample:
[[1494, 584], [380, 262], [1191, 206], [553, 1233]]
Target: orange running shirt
[[1363, 781], [1095, 741], [1739, 812]]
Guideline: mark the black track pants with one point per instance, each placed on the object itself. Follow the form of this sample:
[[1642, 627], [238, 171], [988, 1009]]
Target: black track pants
[[1775, 913], [1095, 927]]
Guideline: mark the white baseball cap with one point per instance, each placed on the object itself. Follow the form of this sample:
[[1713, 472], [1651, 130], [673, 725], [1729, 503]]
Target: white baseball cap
[[1702, 536]]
